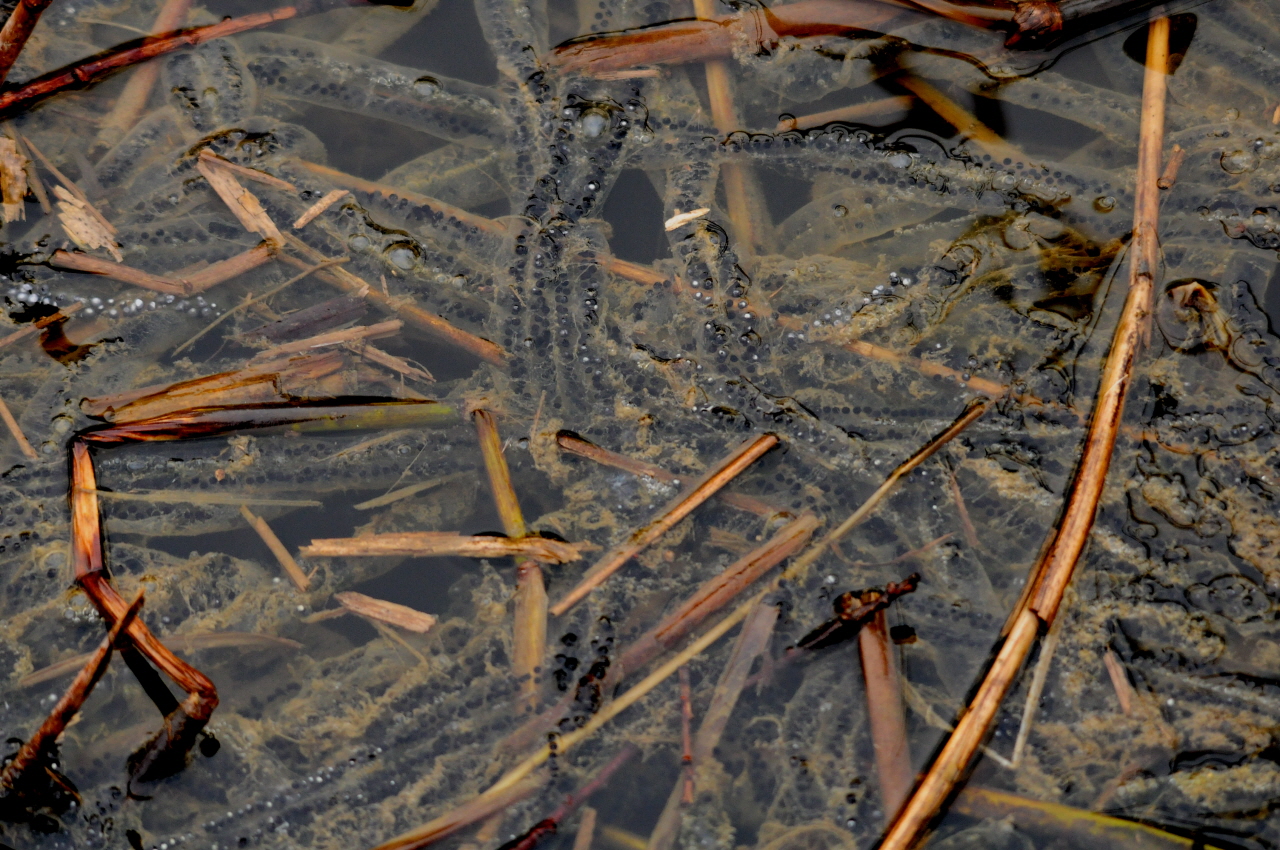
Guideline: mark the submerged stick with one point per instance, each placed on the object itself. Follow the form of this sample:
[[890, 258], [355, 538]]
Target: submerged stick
[[476, 809], [16, 431], [701, 490], [884, 710], [686, 737], [1053, 570], [291, 568], [548, 825], [17, 29], [424, 544], [383, 611]]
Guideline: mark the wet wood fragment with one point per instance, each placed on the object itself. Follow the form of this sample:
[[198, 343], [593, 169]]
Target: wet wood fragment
[[885, 711], [132, 103], [117, 271], [548, 826], [247, 173], [286, 561], [312, 212], [310, 320], [17, 29], [376, 331], [701, 490], [224, 270], [389, 361], [16, 432], [1119, 681], [40, 324], [429, 322], [244, 205], [29, 167], [13, 180], [885, 110], [84, 225], [426, 544], [391, 613]]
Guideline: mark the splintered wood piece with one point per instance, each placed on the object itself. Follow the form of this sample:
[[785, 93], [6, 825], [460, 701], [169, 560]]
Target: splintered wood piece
[[33, 178], [13, 180], [42, 742], [1052, 573], [405, 492], [586, 829], [244, 205], [291, 568], [388, 328], [572, 442], [885, 710], [224, 270], [313, 211], [529, 628], [391, 613], [1119, 681], [310, 320], [40, 324], [715, 593], [16, 431], [117, 271], [1170, 174], [701, 490], [17, 29], [247, 173], [415, 315], [495, 463], [389, 361], [425, 544], [85, 225]]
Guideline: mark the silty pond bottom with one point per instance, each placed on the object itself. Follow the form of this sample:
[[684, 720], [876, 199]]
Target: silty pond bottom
[[875, 217]]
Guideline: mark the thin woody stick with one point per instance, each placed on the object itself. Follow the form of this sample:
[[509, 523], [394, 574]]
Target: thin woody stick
[[476, 809], [386, 612], [1054, 569], [1032, 706], [1119, 681], [419, 544], [16, 31], [571, 442], [224, 270], [137, 90], [1170, 174], [586, 829], [291, 568], [885, 107], [45, 738], [429, 322], [530, 616], [965, 122], [16, 431], [885, 711], [313, 211], [548, 825], [247, 173], [117, 271], [966, 524], [715, 479], [970, 415]]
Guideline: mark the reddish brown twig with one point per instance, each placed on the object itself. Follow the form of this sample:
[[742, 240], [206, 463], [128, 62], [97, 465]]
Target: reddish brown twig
[[23, 785], [853, 612], [1048, 582], [548, 825], [16, 31], [422, 544], [701, 490], [884, 710]]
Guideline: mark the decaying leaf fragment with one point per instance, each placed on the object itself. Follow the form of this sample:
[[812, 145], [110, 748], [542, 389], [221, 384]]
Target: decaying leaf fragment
[[85, 225], [244, 205], [13, 180]]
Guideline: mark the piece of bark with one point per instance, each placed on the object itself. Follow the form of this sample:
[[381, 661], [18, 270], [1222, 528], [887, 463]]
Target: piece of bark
[[84, 224], [244, 205], [13, 180], [247, 173], [391, 613]]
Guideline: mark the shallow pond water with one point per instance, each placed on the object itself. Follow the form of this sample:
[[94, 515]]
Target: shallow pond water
[[869, 227]]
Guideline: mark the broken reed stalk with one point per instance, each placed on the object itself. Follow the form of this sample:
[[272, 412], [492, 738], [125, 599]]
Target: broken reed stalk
[[244, 171], [383, 611], [884, 710], [476, 809], [550, 824], [16, 31], [1119, 681], [686, 737], [1049, 579], [78, 262], [19, 437], [971, 414], [962, 511], [45, 738], [530, 616], [701, 490], [575, 444], [313, 212], [411, 313], [752, 641], [40, 324], [966, 123], [137, 89], [586, 829], [1048, 647], [291, 568], [884, 108], [425, 544]]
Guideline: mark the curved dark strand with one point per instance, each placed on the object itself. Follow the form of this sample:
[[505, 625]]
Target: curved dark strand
[[92, 70]]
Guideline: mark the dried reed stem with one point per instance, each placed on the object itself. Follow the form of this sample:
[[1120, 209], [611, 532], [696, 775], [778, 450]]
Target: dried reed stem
[[884, 108], [701, 490], [476, 809], [495, 463], [1119, 681], [19, 437], [425, 544], [885, 711], [16, 31], [383, 611], [253, 174], [291, 568], [312, 212], [966, 523], [586, 829], [1032, 706], [117, 271], [1054, 569]]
